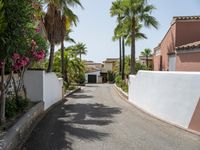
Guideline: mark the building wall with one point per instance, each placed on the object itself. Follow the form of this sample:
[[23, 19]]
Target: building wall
[[170, 96], [108, 67], [188, 61], [187, 32], [97, 73], [181, 32], [156, 59], [167, 45]]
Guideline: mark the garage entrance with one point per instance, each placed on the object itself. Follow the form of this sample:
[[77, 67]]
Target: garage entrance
[[92, 78]]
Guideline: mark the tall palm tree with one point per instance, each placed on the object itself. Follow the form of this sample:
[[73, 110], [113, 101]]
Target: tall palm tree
[[116, 10], [147, 53], [55, 23], [123, 30], [137, 12]]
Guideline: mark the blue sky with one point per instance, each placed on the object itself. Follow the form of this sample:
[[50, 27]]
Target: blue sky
[[95, 27]]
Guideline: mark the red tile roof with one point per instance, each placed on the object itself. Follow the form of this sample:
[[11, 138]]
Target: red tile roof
[[186, 17], [189, 46]]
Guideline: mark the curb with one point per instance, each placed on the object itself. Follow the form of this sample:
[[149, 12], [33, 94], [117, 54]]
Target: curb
[[17, 135], [20, 131], [124, 97]]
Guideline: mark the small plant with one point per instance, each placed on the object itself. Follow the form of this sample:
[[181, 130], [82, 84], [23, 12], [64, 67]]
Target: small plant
[[121, 83], [111, 76], [11, 107]]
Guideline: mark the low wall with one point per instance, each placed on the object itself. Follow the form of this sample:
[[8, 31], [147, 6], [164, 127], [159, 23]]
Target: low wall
[[17, 134], [42, 86], [52, 89], [171, 96]]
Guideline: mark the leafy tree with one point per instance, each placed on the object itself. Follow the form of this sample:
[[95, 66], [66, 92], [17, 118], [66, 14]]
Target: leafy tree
[[76, 68], [15, 41], [147, 53]]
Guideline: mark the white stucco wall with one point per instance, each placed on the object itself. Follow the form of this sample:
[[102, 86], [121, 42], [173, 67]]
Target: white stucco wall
[[171, 96], [33, 81], [43, 86], [52, 89]]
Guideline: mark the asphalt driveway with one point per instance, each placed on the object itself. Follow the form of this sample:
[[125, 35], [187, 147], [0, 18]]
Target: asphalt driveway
[[96, 118]]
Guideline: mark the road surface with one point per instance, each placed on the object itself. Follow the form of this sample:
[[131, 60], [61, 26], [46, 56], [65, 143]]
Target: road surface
[[96, 118]]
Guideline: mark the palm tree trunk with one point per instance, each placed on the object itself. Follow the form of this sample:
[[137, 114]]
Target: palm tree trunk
[[62, 60], [123, 58], [80, 56], [120, 55], [3, 96], [51, 58], [133, 47], [147, 61]]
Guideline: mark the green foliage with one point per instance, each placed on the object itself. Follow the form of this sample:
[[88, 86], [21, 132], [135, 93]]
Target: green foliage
[[121, 83], [22, 104], [2, 18], [12, 108], [138, 66], [111, 76], [18, 16], [75, 68], [81, 79]]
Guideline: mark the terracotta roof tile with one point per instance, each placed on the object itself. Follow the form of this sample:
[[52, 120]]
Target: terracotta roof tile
[[189, 46], [186, 17]]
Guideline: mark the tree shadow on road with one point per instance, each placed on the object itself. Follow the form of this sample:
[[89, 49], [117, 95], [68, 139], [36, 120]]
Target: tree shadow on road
[[68, 122]]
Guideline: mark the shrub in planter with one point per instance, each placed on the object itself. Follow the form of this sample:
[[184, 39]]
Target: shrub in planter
[[22, 105], [11, 107]]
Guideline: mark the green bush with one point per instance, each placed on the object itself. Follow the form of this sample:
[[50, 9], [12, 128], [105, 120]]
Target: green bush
[[81, 79], [22, 105], [10, 107], [111, 76], [121, 83], [118, 80]]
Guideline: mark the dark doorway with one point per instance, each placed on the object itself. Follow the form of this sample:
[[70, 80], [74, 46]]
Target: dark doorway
[[92, 78], [104, 77]]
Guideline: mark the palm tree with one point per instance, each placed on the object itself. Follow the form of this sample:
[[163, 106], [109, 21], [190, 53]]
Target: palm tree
[[80, 49], [123, 30], [137, 12], [116, 10], [147, 53], [55, 23]]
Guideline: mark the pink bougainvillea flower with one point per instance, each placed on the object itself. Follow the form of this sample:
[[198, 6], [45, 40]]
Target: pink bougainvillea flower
[[15, 56]]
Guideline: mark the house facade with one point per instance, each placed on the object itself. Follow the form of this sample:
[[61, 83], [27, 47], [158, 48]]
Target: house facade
[[109, 64], [97, 72], [178, 51]]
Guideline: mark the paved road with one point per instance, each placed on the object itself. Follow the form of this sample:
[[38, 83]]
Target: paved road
[[96, 118]]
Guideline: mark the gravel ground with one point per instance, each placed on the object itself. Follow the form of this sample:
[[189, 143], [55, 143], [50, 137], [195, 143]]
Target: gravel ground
[[96, 118]]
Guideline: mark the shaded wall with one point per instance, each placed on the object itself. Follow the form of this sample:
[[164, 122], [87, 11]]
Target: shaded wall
[[188, 61], [170, 96]]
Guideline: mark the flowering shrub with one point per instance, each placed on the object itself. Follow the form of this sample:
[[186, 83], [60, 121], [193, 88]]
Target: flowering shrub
[[19, 61]]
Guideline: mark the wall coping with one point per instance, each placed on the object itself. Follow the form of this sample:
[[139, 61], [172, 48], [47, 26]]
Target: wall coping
[[22, 128]]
